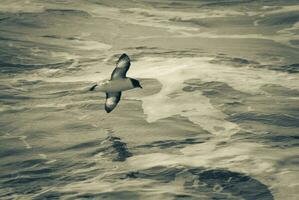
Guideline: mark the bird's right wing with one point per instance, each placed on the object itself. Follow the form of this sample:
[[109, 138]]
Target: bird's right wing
[[122, 66], [112, 99]]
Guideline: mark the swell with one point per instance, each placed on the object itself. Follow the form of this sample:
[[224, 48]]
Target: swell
[[32, 176], [192, 183]]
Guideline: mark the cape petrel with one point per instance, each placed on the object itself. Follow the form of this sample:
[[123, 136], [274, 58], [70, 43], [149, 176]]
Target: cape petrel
[[117, 83]]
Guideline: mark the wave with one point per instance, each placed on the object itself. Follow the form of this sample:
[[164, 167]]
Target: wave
[[6, 67], [187, 182], [164, 144], [272, 119]]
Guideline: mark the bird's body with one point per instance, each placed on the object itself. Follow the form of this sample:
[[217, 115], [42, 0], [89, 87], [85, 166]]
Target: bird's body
[[117, 83]]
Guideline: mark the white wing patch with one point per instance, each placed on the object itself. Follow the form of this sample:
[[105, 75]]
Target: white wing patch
[[122, 66], [122, 63], [111, 101]]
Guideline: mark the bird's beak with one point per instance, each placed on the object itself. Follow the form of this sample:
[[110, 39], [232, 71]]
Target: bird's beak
[[140, 86]]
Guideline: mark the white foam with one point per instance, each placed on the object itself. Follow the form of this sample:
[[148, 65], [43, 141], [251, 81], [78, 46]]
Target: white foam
[[249, 158], [20, 6], [21, 138], [205, 13], [90, 45], [162, 19], [280, 9], [172, 72], [26, 144]]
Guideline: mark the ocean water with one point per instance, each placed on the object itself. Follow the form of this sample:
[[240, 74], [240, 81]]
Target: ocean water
[[217, 118]]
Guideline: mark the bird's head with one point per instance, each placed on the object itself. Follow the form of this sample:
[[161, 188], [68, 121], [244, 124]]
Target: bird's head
[[136, 83]]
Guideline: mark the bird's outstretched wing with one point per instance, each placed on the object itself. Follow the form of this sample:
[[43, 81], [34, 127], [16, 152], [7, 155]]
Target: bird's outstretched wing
[[122, 66], [112, 99]]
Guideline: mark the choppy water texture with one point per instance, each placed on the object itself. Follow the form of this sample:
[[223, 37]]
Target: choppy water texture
[[218, 117]]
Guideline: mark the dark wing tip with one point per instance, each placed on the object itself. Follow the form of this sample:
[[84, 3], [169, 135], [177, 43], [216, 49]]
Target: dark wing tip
[[107, 109], [93, 87], [124, 55]]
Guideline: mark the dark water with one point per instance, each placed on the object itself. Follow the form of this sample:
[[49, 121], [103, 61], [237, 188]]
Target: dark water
[[218, 117]]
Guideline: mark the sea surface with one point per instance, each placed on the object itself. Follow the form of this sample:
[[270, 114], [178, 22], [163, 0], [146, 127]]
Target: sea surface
[[217, 118]]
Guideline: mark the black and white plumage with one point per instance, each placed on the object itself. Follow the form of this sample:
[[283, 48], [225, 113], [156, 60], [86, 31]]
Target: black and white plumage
[[122, 66], [117, 83], [112, 99]]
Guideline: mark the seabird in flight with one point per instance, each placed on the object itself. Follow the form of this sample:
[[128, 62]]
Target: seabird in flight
[[117, 83]]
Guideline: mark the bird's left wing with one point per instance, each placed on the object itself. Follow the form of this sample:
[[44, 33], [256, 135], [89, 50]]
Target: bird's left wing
[[122, 66], [112, 99]]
